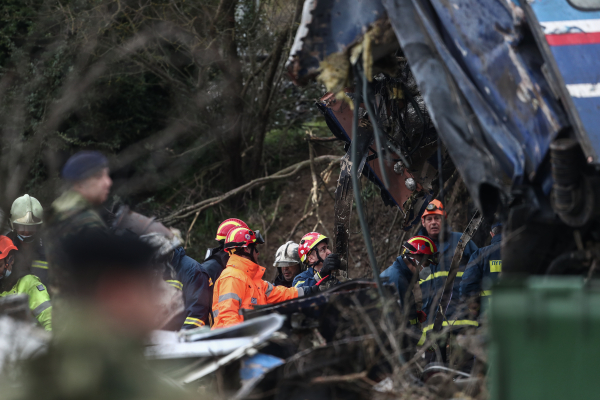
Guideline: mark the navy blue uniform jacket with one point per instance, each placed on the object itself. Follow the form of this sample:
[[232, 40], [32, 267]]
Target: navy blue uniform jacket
[[482, 271], [436, 281], [400, 275], [188, 279]]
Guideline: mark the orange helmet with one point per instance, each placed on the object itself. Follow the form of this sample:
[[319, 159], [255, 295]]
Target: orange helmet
[[421, 245], [308, 242], [227, 226], [6, 245], [434, 208], [242, 237]]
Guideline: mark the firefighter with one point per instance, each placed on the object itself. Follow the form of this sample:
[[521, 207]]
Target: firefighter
[[418, 253], [320, 262], [287, 262], [14, 280], [184, 274], [214, 263], [434, 221], [72, 214], [26, 221], [241, 287], [483, 269]]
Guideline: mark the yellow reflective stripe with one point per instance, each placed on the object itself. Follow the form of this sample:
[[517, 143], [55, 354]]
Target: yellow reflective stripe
[[457, 322], [495, 265], [39, 264], [299, 282], [486, 292], [439, 275], [193, 321], [413, 321], [175, 284]]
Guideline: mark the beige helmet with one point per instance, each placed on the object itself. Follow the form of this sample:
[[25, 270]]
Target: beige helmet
[[287, 254], [27, 211]]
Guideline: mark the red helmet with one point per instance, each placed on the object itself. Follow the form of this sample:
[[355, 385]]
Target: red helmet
[[242, 237], [421, 245], [434, 208], [6, 245], [308, 242], [227, 226]]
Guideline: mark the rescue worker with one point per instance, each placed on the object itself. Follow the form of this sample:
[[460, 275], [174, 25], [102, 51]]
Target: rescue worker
[[434, 221], [214, 263], [72, 214], [483, 270], [320, 261], [101, 353], [26, 218], [418, 253], [15, 280], [181, 272], [287, 262], [241, 287]]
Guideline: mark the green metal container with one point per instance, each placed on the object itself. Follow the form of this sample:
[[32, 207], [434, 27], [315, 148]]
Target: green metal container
[[545, 340]]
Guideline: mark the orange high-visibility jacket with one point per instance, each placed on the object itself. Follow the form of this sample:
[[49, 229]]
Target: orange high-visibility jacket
[[241, 286]]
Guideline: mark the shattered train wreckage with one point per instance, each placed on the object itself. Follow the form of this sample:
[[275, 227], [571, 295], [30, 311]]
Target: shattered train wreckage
[[504, 93]]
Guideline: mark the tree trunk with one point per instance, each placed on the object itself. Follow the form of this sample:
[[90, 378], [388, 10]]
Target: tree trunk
[[231, 142], [267, 94]]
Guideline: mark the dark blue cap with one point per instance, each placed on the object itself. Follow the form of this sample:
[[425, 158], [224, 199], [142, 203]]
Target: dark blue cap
[[83, 164], [497, 224]]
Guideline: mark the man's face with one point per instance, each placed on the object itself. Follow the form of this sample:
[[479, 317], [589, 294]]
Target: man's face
[[323, 251], [289, 272], [433, 225], [26, 233], [96, 188]]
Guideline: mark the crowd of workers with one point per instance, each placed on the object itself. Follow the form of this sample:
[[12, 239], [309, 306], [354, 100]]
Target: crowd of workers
[[57, 265]]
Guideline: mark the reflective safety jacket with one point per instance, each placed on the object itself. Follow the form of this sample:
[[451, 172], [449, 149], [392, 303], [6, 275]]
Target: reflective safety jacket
[[39, 300], [189, 280], [241, 287], [400, 275], [482, 271], [437, 279]]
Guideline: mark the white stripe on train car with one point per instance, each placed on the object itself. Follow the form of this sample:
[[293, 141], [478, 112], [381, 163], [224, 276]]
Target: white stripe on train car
[[584, 90], [576, 26]]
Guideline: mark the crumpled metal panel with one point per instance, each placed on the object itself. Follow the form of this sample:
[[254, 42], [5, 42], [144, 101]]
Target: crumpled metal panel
[[327, 27], [498, 69]]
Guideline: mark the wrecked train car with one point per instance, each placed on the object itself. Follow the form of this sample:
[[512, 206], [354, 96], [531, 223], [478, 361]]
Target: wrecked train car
[[511, 89]]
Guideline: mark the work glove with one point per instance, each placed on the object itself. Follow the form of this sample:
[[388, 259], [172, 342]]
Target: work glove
[[330, 264], [308, 290]]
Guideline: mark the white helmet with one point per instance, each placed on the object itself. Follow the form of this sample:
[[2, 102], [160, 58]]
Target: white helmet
[[26, 211], [287, 254]]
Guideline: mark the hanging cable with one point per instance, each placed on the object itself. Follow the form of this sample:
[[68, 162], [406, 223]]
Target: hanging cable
[[375, 122], [356, 188]]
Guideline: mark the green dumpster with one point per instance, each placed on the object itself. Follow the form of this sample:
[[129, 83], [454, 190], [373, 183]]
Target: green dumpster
[[545, 340]]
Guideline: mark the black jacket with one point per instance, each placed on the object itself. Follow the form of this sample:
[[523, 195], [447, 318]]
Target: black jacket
[[280, 280], [189, 279], [31, 258]]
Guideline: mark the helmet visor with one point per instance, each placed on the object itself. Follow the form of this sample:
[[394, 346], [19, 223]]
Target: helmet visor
[[259, 238]]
